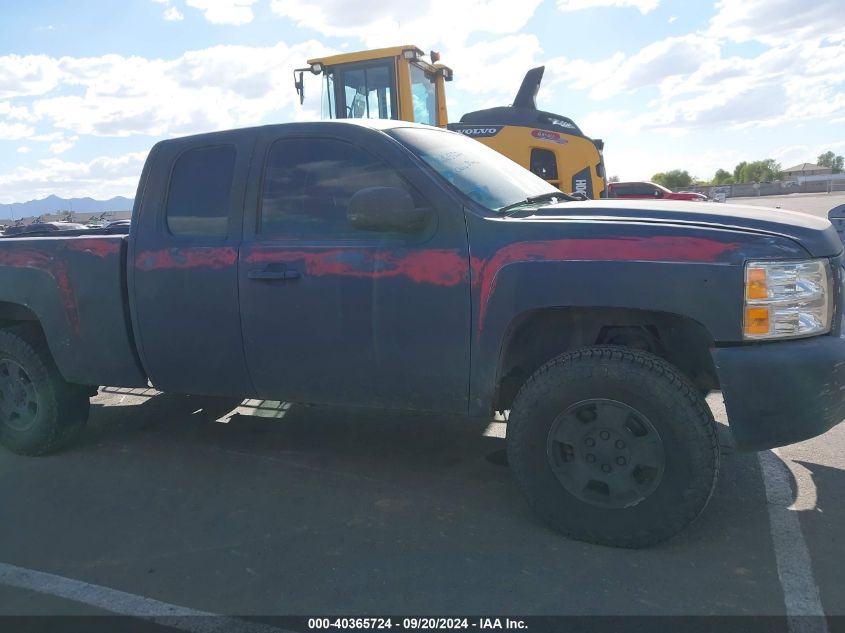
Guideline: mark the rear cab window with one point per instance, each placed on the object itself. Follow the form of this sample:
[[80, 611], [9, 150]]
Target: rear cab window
[[199, 193]]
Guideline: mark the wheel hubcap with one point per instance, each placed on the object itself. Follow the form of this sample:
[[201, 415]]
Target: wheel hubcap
[[18, 400], [606, 453]]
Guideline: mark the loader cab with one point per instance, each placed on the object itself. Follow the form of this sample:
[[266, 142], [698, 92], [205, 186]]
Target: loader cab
[[398, 83], [388, 83]]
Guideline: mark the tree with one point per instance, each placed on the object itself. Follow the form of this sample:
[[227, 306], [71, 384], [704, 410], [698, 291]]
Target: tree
[[829, 159], [675, 179], [758, 171], [67, 216], [723, 177], [613, 179]]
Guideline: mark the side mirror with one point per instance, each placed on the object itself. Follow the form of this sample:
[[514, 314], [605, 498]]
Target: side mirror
[[386, 209], [299, 84], [658, 193], [837, 218]]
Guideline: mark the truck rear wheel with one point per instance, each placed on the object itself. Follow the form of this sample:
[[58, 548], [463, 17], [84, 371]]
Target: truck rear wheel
[[613, 446], [39, 411]]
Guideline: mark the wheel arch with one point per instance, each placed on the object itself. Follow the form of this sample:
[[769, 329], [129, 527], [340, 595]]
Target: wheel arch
[[23, 320], [535, 336]]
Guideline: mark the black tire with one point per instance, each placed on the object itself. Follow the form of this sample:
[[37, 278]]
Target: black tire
[[567, 397], [39, 411]]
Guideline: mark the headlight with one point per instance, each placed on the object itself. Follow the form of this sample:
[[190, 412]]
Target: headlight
[[787, 299]]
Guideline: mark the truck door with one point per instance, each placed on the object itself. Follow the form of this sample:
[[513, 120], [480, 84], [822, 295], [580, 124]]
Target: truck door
[[183, 265], [338, 315]]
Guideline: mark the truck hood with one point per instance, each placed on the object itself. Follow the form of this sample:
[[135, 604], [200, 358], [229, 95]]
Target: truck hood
[[815, 234]]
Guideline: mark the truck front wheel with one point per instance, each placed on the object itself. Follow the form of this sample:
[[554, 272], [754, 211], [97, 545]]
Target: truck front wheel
[[613, 446], [39, 411]]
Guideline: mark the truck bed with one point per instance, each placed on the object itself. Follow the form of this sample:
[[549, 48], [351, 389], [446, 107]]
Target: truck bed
[[76, 287]]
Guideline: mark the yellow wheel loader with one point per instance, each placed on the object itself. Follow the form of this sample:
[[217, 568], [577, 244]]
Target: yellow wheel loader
[[397, 83]]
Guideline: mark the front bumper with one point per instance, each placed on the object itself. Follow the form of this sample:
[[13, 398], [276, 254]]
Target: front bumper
[[781, 393]]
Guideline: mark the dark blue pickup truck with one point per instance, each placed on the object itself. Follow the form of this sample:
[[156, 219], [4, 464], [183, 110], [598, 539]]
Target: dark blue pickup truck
[[399, 266]]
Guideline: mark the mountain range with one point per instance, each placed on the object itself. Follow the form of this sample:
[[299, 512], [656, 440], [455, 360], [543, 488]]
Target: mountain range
[[54, 204]]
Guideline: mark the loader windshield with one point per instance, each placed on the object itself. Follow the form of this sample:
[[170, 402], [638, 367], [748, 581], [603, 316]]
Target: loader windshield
[[479, 172], [361, 91]]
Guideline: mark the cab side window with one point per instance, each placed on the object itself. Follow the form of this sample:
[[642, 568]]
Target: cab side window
[[199, 194], [308, 183]]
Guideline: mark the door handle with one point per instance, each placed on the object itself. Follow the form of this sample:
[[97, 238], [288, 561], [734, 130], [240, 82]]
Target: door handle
[[274, 271]]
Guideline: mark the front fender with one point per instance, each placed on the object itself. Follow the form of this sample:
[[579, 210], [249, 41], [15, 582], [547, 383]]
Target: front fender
[[691, 272]]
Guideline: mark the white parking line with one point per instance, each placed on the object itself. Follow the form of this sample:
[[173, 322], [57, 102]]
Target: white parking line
[[804, 609], [128, 604]]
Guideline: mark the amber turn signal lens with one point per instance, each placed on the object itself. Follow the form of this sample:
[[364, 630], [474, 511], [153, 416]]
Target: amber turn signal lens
[[756, 320], [756, 286]]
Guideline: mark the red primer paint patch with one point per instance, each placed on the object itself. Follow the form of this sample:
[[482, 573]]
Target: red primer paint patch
[[645, 249], [56, 269], [439, 267], [97, 247], [213, 258]]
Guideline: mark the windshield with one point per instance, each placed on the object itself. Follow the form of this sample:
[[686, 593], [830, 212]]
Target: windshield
[[366, 92], [480, 173], [423, 96]]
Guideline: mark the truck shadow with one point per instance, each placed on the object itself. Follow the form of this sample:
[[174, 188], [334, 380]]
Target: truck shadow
[[301, 509], [821, 524]]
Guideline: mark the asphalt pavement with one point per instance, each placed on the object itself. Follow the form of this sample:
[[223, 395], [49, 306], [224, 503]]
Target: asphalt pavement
[[269, 508], [818, 204]]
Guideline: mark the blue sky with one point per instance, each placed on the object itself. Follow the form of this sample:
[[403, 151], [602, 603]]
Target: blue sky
[[86, 87]]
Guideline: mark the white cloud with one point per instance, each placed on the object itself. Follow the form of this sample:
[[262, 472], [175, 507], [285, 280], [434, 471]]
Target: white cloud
[[697, 87], [790, 155], [52, 137], [602, 123], [783, 85], [658, 62], [27, 75], [493, 67], [426, 22], [661, 63], [234, 12], [23, 149], [102, 177], [172, 14], [644, 6], [18, 113], [213, 88], [778, 21], [61, 147], [14, 131]]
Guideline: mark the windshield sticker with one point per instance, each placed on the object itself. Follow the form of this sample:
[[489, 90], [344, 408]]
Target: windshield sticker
[[546, 135]]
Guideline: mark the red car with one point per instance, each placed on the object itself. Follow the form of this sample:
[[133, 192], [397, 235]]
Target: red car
[[649, 190]]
